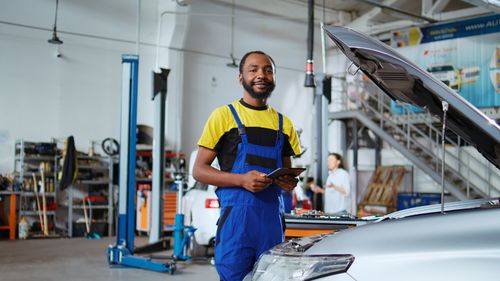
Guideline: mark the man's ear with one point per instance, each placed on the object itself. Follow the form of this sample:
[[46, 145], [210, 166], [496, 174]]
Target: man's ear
[[240, 77]]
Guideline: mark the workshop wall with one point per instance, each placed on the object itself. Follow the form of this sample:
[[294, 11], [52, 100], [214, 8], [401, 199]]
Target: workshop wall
[[78, 94], [209, 83]]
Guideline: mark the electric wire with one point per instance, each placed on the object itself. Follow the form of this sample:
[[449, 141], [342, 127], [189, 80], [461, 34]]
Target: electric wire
[[120, 40]]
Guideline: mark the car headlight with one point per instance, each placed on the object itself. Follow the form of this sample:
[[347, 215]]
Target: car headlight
[[288, 261], [273, 267]]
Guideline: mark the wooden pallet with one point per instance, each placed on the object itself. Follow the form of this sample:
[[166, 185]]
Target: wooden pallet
[[384, 186]]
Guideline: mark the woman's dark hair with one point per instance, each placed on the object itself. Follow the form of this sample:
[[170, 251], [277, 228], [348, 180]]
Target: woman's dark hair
[[244, 59], [339, 157]]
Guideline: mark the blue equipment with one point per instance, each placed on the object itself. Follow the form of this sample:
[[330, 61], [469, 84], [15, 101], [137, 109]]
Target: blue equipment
[[122, 253], [182, 234]]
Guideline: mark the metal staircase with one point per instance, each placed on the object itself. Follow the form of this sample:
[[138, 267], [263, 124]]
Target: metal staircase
[[417, 136]]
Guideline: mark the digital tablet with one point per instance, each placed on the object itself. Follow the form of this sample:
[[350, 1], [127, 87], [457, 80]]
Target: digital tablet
[[295, 172]]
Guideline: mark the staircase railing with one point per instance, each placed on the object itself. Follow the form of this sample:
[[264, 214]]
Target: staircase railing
[[475, 177]]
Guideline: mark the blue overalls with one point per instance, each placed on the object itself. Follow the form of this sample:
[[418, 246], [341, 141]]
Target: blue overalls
[[250, 223]]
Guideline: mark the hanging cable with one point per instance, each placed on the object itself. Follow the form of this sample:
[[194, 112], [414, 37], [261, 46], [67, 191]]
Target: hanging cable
[[55, 39], [233, 59], [158, 33], [323, 42], [232, 29], [138, 27]]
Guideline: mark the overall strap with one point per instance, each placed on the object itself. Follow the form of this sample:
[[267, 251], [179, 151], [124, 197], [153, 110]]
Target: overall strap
[[280, 139], [241, 127], [280, 122]]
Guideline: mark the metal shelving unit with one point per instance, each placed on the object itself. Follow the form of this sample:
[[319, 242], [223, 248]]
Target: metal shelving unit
[[102, 165], [28, 158]]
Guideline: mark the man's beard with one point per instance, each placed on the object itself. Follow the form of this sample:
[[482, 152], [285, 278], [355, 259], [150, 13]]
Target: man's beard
[[259, 95]]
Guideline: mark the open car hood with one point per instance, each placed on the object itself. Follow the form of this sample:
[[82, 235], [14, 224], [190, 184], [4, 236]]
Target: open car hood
[[404, 81]]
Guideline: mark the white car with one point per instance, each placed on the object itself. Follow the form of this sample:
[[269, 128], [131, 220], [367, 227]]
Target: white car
[[201, 209]]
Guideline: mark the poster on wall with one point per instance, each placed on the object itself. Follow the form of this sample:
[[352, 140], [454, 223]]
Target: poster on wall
[[465, 55]]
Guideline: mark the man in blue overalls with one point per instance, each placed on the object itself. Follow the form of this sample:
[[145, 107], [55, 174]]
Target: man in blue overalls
[[249, 139]]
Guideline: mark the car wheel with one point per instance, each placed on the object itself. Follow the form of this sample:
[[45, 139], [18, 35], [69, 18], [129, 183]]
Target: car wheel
[[195, 249]]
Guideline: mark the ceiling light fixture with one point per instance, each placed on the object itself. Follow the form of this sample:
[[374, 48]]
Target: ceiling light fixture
[[55, 40]]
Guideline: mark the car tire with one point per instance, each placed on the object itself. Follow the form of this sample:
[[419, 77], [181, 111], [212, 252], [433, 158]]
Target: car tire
[[195, 249]]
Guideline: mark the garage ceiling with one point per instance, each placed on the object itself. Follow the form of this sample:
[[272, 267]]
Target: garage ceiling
[[373, 16]]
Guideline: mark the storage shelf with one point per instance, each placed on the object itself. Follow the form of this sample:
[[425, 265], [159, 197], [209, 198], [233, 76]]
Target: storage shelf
[[27, 163], [147, 180], [31, 193], [96, 207], [39, 235], [36, 158], [91, 167], [35, 213], [99, 179], [30, 174], [84, 157], [93, 182], [93, 221]]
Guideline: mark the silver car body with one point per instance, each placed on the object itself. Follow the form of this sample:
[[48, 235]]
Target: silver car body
[[461, 245], [417, 244]]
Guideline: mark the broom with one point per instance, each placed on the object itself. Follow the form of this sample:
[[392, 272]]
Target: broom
[[90, 235]]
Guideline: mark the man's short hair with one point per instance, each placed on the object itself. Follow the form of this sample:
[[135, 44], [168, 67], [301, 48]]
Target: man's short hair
[[244, 59]]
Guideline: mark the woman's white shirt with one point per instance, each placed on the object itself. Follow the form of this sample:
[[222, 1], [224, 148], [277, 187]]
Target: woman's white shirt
[[334, 200]]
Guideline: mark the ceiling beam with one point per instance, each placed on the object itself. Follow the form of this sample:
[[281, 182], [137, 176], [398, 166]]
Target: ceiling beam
[[462, 13], [396, 10], [376, 29], [492, 5], [284, 9], [438, 7]]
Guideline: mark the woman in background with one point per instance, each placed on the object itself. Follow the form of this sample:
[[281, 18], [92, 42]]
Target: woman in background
[[337, 187]]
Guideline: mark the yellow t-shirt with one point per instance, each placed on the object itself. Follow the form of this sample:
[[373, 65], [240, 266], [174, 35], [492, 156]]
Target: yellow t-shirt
[[261, 125]]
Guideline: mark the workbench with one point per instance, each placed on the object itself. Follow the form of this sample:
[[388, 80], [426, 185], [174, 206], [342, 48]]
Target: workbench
[[307, 225], [11, 226]]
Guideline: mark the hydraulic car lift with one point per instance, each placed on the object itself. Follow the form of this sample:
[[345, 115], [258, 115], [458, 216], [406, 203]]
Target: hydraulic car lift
[[122, 253]]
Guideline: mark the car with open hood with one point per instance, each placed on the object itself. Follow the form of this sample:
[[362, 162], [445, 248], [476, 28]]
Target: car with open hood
[[457, 241]]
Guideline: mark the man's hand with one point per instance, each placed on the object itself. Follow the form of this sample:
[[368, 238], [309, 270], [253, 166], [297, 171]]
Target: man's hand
[[254, 181], [287, 182]]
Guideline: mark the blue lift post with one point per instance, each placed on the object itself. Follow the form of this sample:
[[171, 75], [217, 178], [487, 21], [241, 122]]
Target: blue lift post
[[122, 253]]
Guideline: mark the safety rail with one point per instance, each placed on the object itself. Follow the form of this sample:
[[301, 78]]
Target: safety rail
[[480, 181], [491, 176]]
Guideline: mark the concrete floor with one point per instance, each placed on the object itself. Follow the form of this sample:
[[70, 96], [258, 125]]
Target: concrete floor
[[79, 259]]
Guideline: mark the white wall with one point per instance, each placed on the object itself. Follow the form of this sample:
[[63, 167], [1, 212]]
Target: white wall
[[42, 96], [79, 94], [209, 83]]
